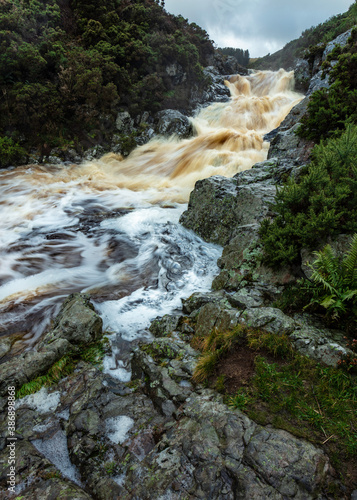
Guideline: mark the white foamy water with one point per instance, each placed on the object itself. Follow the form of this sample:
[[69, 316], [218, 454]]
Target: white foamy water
[[118, 428], [56, 451], [110, 227], [41, 401]]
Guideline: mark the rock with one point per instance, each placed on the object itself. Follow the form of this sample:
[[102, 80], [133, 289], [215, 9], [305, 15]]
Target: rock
[[198, 299], [76, 325], [318, 81], [77, 322], [222, 458], [302, 75], [291, 466], [314, 340], [340, 40], [161, 327], [287, 145], [172, 122], [124, 123], [211, 209], [219, 206], [270, 319], [176, 73]]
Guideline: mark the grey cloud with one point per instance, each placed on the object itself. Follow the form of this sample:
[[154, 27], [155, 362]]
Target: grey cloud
[[256, 25]]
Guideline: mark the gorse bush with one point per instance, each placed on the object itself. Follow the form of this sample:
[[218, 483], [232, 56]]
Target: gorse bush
[[322, 203]]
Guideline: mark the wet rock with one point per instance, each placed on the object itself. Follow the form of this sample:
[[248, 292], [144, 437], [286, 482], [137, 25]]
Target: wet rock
[[289, 146], [198, 299], [77, 322], [161, 327], [172, 122], [76, 325], [222, 458], [218, 206], [314, 340], [291, 466]]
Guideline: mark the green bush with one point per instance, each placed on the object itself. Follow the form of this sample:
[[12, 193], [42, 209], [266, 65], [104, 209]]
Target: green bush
[[10, 152], [67, 68], [330, 109], [322, 203], [334, 281]]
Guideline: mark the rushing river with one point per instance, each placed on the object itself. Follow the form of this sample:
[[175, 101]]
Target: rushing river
[[110, 227]]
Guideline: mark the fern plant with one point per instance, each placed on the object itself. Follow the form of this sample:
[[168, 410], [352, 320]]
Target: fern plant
[[334, 284]]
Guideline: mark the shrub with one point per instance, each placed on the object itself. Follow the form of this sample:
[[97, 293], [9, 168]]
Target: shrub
[[322, 203], [10, 152]]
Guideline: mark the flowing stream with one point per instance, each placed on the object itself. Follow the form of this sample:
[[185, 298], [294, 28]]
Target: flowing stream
[[110, 227]]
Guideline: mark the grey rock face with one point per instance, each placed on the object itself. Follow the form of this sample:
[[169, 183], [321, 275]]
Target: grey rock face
[[172, 122], [218, 206], [340, 40], [76, 325], [302, 75], [124, 123]]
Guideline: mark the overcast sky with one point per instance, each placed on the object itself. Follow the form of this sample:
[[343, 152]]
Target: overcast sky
[[261, 26]]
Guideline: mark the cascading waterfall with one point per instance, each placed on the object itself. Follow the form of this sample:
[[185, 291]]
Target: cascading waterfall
[[110, 227]]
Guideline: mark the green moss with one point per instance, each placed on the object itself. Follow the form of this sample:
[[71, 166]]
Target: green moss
[[93, 354]]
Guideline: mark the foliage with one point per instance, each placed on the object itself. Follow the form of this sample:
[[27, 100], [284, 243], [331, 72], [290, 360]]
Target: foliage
[[329, 110], [310, 39], [334, 284], [322, 203], [241, 55], [67, 68], [10, 152]]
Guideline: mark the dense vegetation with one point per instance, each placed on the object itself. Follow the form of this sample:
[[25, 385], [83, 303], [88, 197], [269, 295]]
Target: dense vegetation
[[311, 40], [330, 110], [241, 55], [66, 63], [321, 203]]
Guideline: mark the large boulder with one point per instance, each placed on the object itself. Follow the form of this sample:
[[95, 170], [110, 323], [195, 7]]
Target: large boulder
[[172, 122], [219, 206]]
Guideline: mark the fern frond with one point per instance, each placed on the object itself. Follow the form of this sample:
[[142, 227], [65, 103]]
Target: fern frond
[[349, 264]]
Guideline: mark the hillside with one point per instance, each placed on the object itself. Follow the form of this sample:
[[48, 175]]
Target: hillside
[[311, 40], [67, 67]]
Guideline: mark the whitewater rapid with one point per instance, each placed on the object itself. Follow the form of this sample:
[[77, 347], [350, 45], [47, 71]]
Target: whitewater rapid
[[110, 227]]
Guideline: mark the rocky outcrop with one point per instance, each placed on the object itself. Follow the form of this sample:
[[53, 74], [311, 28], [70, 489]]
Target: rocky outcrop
[[172, 122], [220, 206], [157, 437], [76, 325]]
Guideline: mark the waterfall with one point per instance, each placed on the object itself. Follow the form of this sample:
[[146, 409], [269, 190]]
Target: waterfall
[[110, 227]]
